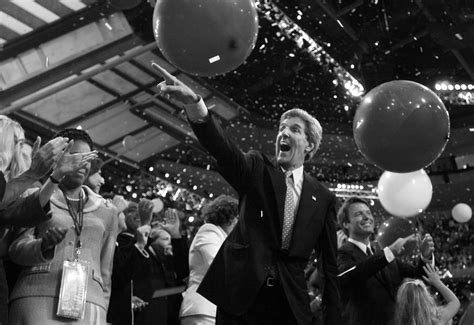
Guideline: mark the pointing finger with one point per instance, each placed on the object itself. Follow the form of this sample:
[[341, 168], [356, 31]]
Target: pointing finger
[[165, 74]]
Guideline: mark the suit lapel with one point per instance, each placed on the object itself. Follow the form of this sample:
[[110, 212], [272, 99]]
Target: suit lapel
[[279, 188], [306, 208]]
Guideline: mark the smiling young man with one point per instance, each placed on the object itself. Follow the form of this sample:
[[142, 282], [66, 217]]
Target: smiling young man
[[370, 278], [257, 277]]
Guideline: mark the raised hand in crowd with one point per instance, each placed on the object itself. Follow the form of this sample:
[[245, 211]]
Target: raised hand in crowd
[[120, 203], [171, 223], [145, 210], [142, 234], [398, 246], [68, 162], [42, 161], [448, 311]]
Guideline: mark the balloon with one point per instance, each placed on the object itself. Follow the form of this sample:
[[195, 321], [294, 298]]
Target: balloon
[[401, 126], [129, 142], [157, 205], [405, 195], [461, 212], [205, 37], [394, 228]]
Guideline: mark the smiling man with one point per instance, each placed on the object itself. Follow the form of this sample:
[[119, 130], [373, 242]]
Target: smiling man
[[370, 278], [257, 277]]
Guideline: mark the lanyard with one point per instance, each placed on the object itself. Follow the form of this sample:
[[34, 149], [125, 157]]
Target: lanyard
[[78, 220]]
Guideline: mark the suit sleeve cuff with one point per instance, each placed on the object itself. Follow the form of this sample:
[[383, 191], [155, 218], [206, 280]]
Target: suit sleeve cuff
[[388, 254], [197, 112], [142, 251]]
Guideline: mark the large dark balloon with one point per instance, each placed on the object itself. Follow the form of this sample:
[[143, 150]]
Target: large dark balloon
[[394, 228], [205, 37], [401, 126]]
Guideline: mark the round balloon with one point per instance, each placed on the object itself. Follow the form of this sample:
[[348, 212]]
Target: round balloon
[[394, 228], [157, 205], [461, 212], [401, 126], [129, 142], [205, 37], [405, 195]]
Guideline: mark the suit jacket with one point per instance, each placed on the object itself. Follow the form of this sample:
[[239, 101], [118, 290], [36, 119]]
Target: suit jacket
[[41, 276], [369, 284], [204, 248], [251, 250]]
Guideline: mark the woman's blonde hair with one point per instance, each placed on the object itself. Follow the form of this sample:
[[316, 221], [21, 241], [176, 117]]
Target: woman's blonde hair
[[13, 161], [415, 305]]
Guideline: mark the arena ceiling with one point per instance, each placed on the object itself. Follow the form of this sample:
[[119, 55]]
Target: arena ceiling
[[86, 63]]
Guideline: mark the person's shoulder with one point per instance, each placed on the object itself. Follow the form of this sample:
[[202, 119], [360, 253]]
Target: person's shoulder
[[347, 247], [320, 187], [206, 231]]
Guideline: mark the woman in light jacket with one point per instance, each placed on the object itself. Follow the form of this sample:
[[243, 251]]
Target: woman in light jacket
[[80, 219], [220, 216]]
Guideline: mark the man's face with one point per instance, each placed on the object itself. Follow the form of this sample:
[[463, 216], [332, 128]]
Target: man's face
[[95, 181], [291, 143], [132, 218], [361, 221]]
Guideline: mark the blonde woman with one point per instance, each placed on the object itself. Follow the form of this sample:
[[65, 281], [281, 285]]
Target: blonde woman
[[416, 306]]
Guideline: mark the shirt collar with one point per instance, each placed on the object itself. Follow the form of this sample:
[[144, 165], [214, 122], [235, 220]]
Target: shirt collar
[[297, 174], [359, 244]]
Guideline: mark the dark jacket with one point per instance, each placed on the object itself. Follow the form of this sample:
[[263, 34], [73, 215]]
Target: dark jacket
[[247, 255], [369, 290]]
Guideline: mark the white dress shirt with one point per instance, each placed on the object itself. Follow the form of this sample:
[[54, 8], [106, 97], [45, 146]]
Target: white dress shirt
[[387, 252]]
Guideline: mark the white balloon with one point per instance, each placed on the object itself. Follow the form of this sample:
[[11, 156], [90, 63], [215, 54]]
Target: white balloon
[[405, 195], [157, 205], [461, 212]]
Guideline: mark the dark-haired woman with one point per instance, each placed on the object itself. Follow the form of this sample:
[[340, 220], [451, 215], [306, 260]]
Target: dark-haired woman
[[67, 260]]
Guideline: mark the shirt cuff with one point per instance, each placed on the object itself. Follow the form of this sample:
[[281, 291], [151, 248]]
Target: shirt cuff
[[197, 112], [430, 261], [142, 251], [388, 254]]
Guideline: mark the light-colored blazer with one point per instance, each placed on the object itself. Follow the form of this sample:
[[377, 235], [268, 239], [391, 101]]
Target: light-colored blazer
[[204, 248], [42, 276]]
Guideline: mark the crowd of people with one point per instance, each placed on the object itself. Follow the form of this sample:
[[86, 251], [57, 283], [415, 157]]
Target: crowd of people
[[70, 255]]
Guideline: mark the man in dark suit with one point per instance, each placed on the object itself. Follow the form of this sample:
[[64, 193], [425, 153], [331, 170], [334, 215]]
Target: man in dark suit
[[370, 278], [257, 276]]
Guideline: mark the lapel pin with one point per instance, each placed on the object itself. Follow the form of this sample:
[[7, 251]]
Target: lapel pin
[[314, 198]]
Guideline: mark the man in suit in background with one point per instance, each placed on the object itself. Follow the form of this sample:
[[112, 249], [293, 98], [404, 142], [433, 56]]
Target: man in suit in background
[[257, 277], [370, 278]]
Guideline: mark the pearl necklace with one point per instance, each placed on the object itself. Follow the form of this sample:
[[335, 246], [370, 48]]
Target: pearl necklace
[[75, 200]]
